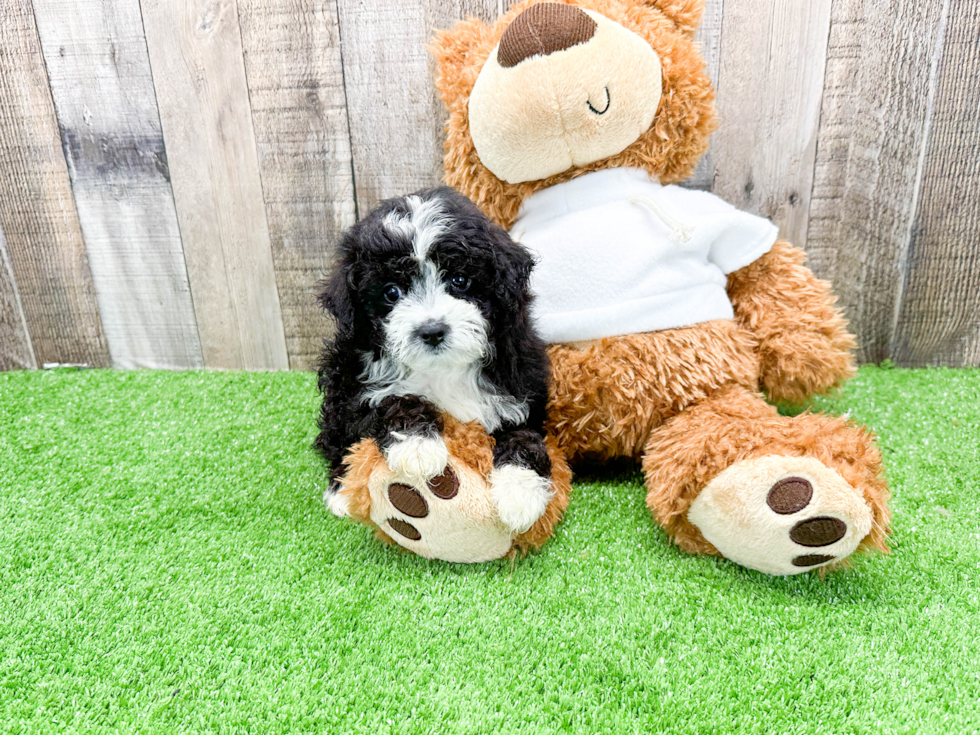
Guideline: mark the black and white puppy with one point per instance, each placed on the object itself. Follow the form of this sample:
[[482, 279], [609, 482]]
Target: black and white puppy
[[431, 303]]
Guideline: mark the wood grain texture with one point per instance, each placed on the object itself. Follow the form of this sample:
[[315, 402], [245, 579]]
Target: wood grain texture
[[709, 39], [199, 74], [281, 121], [396, 120], [37, 213], [296, 86], [938, 322], [15, 343], [110, 133], [879, 86], [770, 84]]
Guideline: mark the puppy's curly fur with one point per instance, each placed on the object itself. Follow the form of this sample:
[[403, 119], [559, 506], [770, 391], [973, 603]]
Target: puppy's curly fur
[[432, 305]]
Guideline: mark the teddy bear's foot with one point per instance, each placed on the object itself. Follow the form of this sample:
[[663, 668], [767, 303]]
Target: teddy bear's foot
[[450, 517], [455, 515], [779, 494], [781, 515]]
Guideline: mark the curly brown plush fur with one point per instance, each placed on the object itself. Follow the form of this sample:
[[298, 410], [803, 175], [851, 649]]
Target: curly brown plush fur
[[606, 399], [804, 346]]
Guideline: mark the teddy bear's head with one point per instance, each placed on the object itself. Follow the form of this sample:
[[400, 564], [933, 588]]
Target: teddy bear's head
[[558, 88]]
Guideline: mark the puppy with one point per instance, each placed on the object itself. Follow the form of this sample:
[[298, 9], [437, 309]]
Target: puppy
[[431, 303]]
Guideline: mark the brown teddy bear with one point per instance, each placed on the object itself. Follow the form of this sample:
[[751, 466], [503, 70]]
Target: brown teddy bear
[[667, 309]]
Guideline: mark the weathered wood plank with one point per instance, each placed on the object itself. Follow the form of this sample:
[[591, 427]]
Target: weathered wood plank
[[196, 58], [881, 59], [15, 343], [709, 39], [37, 213], [770, 85], [110, 132], [296, 85], [939, 318], [396, 120]]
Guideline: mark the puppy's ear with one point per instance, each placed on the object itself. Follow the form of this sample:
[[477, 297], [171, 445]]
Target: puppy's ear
[[686, 14], [335, 298], [514, 264]]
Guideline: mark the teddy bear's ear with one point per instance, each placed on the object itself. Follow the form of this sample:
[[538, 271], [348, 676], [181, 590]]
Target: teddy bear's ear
[[686, 14], [451, 50]]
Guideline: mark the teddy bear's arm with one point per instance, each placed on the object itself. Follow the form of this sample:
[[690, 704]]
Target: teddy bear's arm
[[804, 344]]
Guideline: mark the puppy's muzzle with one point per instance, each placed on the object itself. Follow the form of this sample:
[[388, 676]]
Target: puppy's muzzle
[[433, 333]]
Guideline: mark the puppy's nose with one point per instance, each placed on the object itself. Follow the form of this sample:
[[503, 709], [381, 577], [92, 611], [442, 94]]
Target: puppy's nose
[[544, 29], [433, 333]]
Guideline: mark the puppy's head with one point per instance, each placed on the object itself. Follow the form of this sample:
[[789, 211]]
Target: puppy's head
[[425, 281]]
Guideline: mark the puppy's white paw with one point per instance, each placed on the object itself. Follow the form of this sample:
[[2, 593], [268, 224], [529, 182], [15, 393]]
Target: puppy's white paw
[[417, 458], [336, 503], [521, 495]]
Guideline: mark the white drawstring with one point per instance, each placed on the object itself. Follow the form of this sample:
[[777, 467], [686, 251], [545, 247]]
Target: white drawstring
[[679, 233]]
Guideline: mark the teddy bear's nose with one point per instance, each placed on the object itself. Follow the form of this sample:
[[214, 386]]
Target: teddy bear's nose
[[544, 29]]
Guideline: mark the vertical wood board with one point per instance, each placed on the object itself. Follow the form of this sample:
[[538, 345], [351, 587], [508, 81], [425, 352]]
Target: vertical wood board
[[709, 40], [110, 132], [296, 86], [878, 91], [939, 319], [770, 82], [37, 212], [15, 343], [196, 58], [396, 120]]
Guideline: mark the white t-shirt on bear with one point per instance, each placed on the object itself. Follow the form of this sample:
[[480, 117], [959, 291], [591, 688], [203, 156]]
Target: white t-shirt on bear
[[618, 253]]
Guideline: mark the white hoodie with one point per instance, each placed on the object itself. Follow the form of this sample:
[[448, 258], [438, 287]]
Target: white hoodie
[[618, 253]]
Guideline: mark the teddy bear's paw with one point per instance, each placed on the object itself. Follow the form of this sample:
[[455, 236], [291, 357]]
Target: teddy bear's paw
[[450, 516], [520, 494], [417, 458], [781, 515]]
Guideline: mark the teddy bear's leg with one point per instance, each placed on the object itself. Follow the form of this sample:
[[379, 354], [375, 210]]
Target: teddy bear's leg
[[452, 516], [778, 494]]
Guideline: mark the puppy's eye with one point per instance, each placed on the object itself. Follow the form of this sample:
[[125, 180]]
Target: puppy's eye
[[460, 283], [391, 293]]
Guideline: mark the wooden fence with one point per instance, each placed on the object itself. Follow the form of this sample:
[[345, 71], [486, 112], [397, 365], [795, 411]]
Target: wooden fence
[[173, 173]]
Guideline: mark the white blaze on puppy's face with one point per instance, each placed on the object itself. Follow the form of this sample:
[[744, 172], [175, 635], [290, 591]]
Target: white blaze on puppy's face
[[424, 225]]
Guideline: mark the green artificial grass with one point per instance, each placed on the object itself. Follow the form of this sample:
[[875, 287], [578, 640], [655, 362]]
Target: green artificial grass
[[166, 566]]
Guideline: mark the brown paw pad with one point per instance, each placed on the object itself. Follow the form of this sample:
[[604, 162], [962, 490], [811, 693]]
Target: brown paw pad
[[820, 531], [405, 529], [789, 495], [811, 560], [445, 486], [408, 500]]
